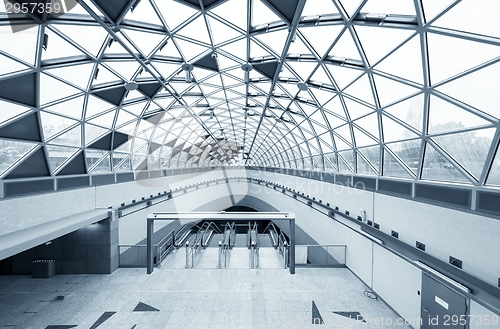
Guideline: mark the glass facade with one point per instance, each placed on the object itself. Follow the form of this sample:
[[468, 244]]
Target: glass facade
[[398, 88]]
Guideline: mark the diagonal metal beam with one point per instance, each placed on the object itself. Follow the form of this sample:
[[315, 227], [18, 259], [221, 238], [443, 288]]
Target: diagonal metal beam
[[290, 37]]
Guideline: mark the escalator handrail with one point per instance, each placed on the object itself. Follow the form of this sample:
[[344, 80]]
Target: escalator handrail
[[273, 234]]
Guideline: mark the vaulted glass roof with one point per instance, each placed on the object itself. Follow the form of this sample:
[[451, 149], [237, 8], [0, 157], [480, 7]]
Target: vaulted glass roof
[[397, 88]]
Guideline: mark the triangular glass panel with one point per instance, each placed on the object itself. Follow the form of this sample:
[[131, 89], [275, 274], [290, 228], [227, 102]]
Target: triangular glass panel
[[118, 158], [362, 139], [319, 7], [478, 89], [58, 47], [378, 42], [401, 7], [11, 151], [95, 106], [104, 76], [128, 129], [394, 131], [135, 109], [196, 30], [274, 40], [370, 124], [470, 149], [361, 89], [174, 12], [393, 168], [334, 121], [221, 32], [406, 62], [343, 75], [58, 155], [224, 63], [123, 117], [53, 124], [190, 50], [446, 117], [8, 65], [144, 12], [434, 7], [322, 96], [237, 48], [363, 167], [410, 111], [52, 89], [262, 14], [79, 75], [437, 167], [80, 33], [72, 137], [234, 11], [297, 46], [356, 109], [390, 91], [459, 18], [10, 110], [466, 55], [493, 175], [346, 161], [335, 106], [93, 132], [168, 49], [303, 69], [11, 41], [344, 132], [105, 120], [125, 147], [146, 42], [103, 166], [125, 69], [93, 157], [408, 152], [345, 47]]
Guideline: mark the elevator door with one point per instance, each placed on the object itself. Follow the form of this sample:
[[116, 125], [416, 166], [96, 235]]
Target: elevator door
[[441, 306]]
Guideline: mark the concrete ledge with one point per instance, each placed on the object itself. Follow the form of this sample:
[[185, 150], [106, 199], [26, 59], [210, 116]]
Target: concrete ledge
[[19, 241]]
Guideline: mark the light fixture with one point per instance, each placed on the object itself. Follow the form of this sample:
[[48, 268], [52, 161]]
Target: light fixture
[[247, 68], [187, 67], [96, 73], [45, 42], [302, 86], [442, 276], [131, 85]]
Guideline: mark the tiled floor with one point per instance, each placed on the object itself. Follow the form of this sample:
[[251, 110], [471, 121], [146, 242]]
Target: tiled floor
[[196, 298]]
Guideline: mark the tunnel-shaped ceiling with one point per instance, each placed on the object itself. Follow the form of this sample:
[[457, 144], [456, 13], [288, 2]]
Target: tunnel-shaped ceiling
[[399, 88]]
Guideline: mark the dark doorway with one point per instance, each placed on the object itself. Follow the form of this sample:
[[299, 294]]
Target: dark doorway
[[441, 306], [240, 209]]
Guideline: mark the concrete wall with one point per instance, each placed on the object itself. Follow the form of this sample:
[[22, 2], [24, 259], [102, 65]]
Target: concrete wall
[[89, 250]]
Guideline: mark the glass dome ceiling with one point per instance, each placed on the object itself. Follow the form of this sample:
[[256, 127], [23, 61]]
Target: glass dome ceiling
[[399, 88]]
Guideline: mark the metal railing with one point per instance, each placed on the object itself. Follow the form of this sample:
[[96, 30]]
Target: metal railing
[[283, 248], [164, 247], [196, 243], [254, 246], [227, 243], [273, 234]]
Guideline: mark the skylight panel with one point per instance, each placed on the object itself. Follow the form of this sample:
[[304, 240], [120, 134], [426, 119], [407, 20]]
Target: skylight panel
[[261, 14], [234, 11], [401, 7], [174, 12], [189, 49], [21, 44], [274, 40], [196, 30], [144, 41]]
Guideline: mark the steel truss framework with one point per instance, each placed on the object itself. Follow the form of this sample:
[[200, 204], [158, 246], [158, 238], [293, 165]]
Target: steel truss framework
[[401, 88]]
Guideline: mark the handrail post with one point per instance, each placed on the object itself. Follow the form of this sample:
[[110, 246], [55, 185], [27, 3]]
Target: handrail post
[[187, 254], [149, 251], [219, 263]]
